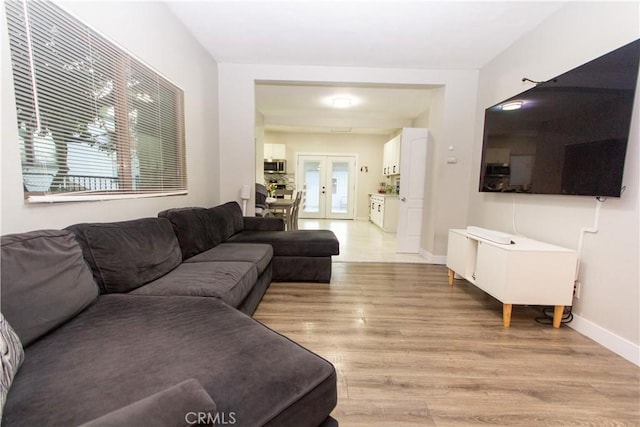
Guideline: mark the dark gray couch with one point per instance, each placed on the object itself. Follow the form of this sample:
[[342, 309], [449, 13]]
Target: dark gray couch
[[118, 330], [298, 255], [143, 257]]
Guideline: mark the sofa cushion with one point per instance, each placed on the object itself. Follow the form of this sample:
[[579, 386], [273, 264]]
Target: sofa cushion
[[255, 223], [228, 218], [45, 281], [11, 357], [309, 243], [250, 303], [127, 347], [179, 405], [229, 281], [126, 255], [257, 253], [196, 229]]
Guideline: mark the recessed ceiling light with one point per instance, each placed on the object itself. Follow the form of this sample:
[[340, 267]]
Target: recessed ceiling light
[[341, 102], [512, 105]]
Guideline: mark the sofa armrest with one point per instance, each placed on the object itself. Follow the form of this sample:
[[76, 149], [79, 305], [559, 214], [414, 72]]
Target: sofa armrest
[[253, 223], [184, 404]]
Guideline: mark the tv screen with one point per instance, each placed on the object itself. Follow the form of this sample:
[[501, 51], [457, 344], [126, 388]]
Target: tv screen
[[567, 135]]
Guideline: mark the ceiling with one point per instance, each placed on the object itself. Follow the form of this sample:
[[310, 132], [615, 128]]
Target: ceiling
[[381, 34], [308, 108]]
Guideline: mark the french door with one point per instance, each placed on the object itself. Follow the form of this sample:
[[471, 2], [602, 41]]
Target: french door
[[329, 184]]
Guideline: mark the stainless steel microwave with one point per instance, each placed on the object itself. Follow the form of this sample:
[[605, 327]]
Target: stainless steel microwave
[[275, 166]]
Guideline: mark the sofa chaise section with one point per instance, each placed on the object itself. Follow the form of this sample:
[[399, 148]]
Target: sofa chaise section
[[206, 234], [298, 255], [89, 356], [124, 348]]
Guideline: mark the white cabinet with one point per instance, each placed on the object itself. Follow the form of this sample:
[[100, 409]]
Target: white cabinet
[[275, 151], [395, 155], [523, 271], [460, 254], [376, 209], [383, 211], [391, 157], [386, 158]]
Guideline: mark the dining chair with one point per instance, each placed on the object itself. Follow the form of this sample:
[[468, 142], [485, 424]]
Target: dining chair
[[261, 206], [281, 193], [295, 210]]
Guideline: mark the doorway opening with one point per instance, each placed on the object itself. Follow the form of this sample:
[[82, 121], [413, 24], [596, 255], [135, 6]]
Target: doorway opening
[[302, 116]]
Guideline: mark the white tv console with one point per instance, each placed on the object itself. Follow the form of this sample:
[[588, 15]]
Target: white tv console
[[513, 269]]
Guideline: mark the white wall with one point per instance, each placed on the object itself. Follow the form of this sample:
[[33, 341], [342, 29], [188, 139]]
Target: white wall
[[439, 198], [259, 143], [236, 82], [609, 307], [368, 149], [151, 33]]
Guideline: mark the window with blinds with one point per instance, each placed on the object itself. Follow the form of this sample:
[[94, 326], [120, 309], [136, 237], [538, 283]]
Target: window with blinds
[[93, 121]]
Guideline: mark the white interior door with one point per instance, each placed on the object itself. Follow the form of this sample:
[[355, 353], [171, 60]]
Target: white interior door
[[329, 184], [413, 160]]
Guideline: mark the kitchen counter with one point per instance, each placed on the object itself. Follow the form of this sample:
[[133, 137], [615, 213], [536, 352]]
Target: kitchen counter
[[383, 211], [384, 194]]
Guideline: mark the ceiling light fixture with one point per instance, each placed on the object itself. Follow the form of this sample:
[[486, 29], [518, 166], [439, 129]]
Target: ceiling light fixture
[[341, 102], [515, 105]]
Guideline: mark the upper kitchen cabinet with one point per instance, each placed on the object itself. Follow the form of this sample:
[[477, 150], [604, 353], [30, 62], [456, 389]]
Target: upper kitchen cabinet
[[391, 157], [275, 151]]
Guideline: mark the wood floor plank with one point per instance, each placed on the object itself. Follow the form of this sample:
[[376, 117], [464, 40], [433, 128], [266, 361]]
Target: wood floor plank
[[411, 350]]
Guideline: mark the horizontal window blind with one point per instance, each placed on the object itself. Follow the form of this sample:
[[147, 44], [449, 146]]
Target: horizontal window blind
[[92, 119]]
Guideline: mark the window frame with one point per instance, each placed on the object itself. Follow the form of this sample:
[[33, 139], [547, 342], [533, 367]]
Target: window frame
[[162, 127]]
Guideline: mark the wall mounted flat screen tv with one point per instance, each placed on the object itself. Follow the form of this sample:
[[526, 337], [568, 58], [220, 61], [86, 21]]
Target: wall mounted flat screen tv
[[567, 135]]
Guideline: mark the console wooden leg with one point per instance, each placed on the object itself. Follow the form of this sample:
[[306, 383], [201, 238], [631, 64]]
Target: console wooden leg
[[451, 275], [506, 315], [558, 311]]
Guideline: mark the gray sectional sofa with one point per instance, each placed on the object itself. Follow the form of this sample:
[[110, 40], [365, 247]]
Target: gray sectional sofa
[[146, 322], [298, 255]]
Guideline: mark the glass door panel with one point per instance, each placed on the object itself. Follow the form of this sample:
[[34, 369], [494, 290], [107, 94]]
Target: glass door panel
[[312, 180], [329, 185], [341, 187]]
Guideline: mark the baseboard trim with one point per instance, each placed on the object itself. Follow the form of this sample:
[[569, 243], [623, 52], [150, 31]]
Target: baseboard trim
[[432, 259], [621, 346]]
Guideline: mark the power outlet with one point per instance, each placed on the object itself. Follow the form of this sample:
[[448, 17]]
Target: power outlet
[[577, 290]]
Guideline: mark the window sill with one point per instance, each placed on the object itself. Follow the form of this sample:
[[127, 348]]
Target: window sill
[[70, 197]]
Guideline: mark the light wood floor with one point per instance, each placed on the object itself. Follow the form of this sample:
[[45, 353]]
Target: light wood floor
[[412, 351], [361, 241]]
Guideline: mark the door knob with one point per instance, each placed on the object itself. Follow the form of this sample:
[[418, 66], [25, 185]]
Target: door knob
[[403, 199]]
